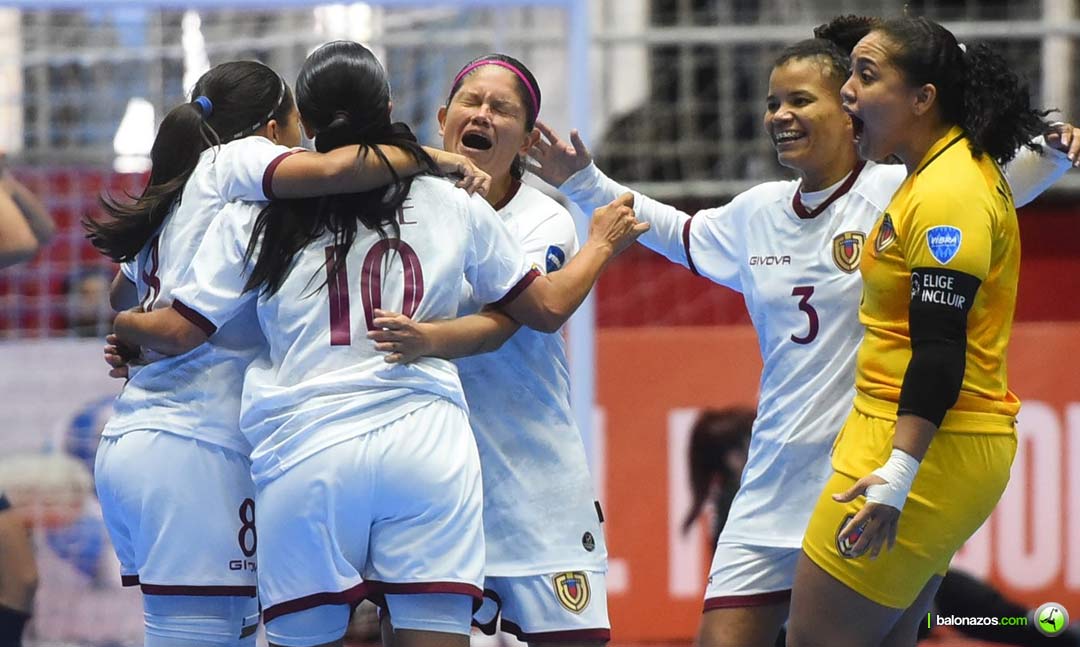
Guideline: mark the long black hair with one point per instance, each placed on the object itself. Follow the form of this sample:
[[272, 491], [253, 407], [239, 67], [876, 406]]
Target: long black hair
[[716, 433], [525, 84], [976, 90], [230, 101], [343, 95]]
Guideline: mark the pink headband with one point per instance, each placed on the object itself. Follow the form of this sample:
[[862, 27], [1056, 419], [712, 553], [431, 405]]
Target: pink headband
[[520, 75]]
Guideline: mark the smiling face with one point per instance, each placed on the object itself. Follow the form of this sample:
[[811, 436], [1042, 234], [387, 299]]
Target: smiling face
[[882, 104], [485, 120], [805, 122]]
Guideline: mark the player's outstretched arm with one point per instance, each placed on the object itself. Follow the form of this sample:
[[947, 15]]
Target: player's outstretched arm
[[569, 167], [404, 340], [164, 331], [352, 170], [1031, 173], [550, 299]]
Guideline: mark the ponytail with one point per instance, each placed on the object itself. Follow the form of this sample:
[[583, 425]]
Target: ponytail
[[343, 93], [997, 114], [181, 139], [232, 100]]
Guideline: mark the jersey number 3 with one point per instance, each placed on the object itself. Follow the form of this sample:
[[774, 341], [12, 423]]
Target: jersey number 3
[[337, 282], [805, 292]]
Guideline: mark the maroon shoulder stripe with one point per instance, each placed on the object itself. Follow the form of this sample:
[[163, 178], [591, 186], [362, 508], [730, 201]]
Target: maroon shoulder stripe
[[352, 596], [195, 317], [752, 600], [686, 245], [268, 174], [129, 580], [525, 282]]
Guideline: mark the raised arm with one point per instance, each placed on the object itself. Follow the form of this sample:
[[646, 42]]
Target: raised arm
[[570, 168], [348, 170], [1030, 174], [549, 300]]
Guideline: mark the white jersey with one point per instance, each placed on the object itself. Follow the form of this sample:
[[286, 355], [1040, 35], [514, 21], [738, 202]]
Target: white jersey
[[540, 513], [196, 394], [794, 257], [321, 368]]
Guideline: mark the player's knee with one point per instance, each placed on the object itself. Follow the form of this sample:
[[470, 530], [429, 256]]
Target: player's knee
[[449, 613], [189, 620], [315, 626]]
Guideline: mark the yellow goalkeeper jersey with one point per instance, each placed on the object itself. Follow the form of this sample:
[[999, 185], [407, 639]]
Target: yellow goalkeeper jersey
[[955, 212]]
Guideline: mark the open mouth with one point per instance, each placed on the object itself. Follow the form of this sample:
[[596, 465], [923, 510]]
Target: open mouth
[[476, 141], [787, 137], [857, 127]]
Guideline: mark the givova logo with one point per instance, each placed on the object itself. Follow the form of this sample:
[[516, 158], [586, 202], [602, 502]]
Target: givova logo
[[944, 242]]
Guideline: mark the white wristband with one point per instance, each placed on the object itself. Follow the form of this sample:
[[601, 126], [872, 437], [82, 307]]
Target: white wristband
[[899, 473]]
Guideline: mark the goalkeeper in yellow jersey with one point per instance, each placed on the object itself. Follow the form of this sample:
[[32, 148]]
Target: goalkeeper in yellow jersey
[[940, 275]]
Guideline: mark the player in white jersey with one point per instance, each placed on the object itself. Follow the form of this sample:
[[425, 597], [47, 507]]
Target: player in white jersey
[[792, 249], [546, 555], [173, 461], [366, 475]]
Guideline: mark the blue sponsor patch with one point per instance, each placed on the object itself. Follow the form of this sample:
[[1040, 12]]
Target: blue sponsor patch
[[555, 259], [944, 242]]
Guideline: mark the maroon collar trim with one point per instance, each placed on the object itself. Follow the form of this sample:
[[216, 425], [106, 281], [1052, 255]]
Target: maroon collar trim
[[515, 184], [801, 210]]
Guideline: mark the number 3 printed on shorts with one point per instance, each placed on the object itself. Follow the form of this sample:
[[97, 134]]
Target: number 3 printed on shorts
[[370, 286], [249, 541], [805, 292]]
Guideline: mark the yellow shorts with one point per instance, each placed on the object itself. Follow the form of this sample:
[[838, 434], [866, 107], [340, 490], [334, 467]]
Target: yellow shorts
[[958, 484]]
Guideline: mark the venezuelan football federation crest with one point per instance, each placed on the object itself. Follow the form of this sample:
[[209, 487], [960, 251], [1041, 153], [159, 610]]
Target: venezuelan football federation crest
[[886, 234], [845, 545], [572, 589], [847, 250]]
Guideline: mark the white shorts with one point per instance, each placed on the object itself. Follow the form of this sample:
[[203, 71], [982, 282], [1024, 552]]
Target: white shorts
[[743, 575], [565, 606], [396, 510], [180, 513]]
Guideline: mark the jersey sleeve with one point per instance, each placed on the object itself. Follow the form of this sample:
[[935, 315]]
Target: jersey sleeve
[[212, 291], [495, 265], [944, 232], [1030, 174], [128, 270], [705, 243], [552, 242], [244, 168]]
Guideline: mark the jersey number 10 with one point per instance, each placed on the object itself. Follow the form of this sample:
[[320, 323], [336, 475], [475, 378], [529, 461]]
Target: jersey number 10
[[337, 283]]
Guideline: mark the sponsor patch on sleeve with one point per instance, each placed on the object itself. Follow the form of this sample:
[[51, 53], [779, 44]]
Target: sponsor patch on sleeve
[[556, 258], [944, 242]]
